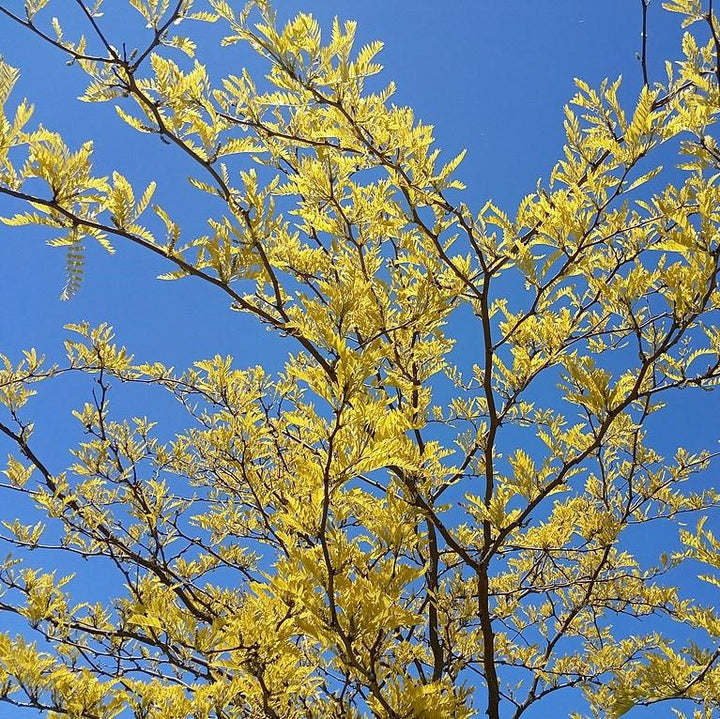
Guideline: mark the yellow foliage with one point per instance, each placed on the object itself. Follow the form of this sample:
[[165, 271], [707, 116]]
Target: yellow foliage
[[374, 530]]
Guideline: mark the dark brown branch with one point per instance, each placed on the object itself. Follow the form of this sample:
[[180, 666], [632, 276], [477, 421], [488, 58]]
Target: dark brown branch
[[644, 35], [55, 43], [431, 578], [238, 299], [712, 22]]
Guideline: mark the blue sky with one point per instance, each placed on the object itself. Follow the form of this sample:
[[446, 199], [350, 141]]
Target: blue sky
[[491, 76]]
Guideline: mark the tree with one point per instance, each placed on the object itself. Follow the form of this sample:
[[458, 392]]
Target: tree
[[375, 530]]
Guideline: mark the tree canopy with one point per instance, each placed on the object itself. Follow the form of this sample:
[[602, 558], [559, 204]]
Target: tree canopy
[[381, 529]]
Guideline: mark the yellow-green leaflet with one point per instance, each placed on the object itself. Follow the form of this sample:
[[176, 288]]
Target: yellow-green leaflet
[[377, 530]]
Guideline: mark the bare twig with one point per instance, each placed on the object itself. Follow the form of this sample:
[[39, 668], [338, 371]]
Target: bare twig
[[644, 35]]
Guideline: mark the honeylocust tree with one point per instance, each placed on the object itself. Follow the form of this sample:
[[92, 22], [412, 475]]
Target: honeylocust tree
[[381, 529]]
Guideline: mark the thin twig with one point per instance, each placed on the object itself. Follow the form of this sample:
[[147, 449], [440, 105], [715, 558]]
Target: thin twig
[[644, 35]]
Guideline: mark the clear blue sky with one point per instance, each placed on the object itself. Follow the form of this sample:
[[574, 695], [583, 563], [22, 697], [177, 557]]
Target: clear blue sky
[[491, 76]]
